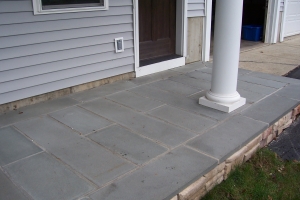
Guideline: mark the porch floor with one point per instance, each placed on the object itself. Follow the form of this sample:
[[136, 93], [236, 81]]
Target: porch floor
[[147, 138]]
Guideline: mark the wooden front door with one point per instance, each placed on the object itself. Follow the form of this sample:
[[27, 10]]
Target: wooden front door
[[157, 28]]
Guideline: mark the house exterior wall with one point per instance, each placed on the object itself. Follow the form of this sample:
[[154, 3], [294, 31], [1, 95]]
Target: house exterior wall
[[44, 53], [195, 39], [195, 14], [196, 8]]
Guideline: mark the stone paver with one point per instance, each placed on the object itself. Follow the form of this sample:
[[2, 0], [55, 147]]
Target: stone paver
[[271, 109], [133, 101], [102, 91], [192, 82], [35, 110], [80, 120], [142, 124], [14, 146], [10, 191], [200, 75], [275, 78], [43, 177], [160, 179], [88, 158], [187, 104], [190, 67], [260, 81], [250, 96], [290, 91], [227, 138], [183, 118], [175, 87], [129, 145], [252, 87], [208, 70]]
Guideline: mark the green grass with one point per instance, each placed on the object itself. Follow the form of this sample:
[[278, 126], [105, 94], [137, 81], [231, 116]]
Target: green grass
[[264, 176]]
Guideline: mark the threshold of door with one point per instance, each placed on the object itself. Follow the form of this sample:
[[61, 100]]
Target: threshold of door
[[158, 59], [160, 65]]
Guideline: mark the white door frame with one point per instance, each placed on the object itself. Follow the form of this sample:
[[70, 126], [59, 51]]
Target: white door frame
[[207, 31], [272, 23], [181, 41]]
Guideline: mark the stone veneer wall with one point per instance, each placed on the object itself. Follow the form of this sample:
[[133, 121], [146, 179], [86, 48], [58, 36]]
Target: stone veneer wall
[[207, 182]]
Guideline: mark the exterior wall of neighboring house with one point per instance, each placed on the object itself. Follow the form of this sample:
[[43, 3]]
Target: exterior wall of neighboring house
[[195, 13], [45, 53]]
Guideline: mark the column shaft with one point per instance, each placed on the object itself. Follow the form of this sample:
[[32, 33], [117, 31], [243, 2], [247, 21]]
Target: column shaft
[[228, 21], [223, 94]]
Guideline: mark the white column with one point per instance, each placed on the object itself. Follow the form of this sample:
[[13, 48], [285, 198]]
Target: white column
[[227, 38]]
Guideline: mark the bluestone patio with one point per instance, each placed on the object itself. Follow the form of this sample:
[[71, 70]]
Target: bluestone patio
[[146, 138]]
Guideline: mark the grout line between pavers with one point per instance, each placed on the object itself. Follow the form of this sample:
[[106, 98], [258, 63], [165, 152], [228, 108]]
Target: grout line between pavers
[[88, 139], [32, 117], [79, 133], [287, 97], [134, 109], [64, 163], [195, 93], [176, 125], [100, 129], [146, 112], [113, 152], [204, 153], [23, 158], [264, 62], [196, 113], [252, 73], [19, 187], [246, 81], [136, 132]]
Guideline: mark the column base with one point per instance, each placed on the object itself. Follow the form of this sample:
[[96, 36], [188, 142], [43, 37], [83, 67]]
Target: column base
[[225, 107]]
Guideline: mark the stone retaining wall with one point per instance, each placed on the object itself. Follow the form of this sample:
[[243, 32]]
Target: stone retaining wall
[[203, 185]]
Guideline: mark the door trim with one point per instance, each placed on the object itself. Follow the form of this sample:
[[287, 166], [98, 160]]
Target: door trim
[[272, 21], [207, 31], [181, 41]]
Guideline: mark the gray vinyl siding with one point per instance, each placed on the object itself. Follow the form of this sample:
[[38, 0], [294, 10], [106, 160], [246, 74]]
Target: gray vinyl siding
[[196, 8], [44, 53]]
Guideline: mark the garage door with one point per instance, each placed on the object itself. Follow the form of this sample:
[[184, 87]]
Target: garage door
[[292, 18]]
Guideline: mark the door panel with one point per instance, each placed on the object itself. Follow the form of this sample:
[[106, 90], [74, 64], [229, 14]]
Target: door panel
[[157, 28]]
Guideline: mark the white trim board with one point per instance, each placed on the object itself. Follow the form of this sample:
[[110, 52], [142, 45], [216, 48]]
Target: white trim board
[[272, 21], [207, 31], [161, 66], [181, 41]]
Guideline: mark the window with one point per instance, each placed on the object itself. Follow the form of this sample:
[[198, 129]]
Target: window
[[62, 6]]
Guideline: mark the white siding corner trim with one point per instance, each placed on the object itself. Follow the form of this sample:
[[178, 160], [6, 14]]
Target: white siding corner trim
[[196, 8]]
